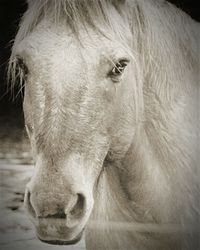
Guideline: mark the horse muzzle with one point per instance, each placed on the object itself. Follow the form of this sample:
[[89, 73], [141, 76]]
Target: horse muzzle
[[58, 222]]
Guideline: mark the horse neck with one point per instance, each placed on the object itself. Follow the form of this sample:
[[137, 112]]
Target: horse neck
[[131, 193], [163, 157], [142, 189], [167, 42]]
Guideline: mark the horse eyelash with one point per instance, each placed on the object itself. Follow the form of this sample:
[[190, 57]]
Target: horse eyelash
[[119, 66]]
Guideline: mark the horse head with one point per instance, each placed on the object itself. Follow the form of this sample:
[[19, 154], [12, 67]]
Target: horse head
[[78, 105]]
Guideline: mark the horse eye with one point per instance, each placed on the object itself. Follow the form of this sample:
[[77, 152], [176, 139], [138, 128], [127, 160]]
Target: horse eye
[[22, 67], [119, 68]]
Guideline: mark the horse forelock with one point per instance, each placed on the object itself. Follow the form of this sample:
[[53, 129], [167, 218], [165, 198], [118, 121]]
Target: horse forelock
[[76, 14]]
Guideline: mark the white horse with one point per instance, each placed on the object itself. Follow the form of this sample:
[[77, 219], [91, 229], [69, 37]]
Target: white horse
[[111, 110]]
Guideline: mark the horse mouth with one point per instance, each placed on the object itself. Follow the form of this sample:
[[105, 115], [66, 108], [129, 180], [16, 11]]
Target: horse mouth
[[62, 241]]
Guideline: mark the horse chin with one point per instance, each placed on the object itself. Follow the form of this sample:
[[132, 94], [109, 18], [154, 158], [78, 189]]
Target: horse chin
[[58, 233]]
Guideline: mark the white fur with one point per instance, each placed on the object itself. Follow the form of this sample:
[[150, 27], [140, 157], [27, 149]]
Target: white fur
[[133, 144]]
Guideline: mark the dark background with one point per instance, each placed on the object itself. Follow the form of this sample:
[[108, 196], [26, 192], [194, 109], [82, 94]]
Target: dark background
[[10, 14]]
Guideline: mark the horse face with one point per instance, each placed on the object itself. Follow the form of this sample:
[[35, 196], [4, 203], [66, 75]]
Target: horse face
[[77, 108]]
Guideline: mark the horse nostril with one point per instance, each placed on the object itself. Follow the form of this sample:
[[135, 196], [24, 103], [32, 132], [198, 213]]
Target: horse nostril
[[78, 209], [77, 212], [29, 205]]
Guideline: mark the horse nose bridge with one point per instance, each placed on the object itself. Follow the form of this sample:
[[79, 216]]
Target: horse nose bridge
[[50, 188]]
